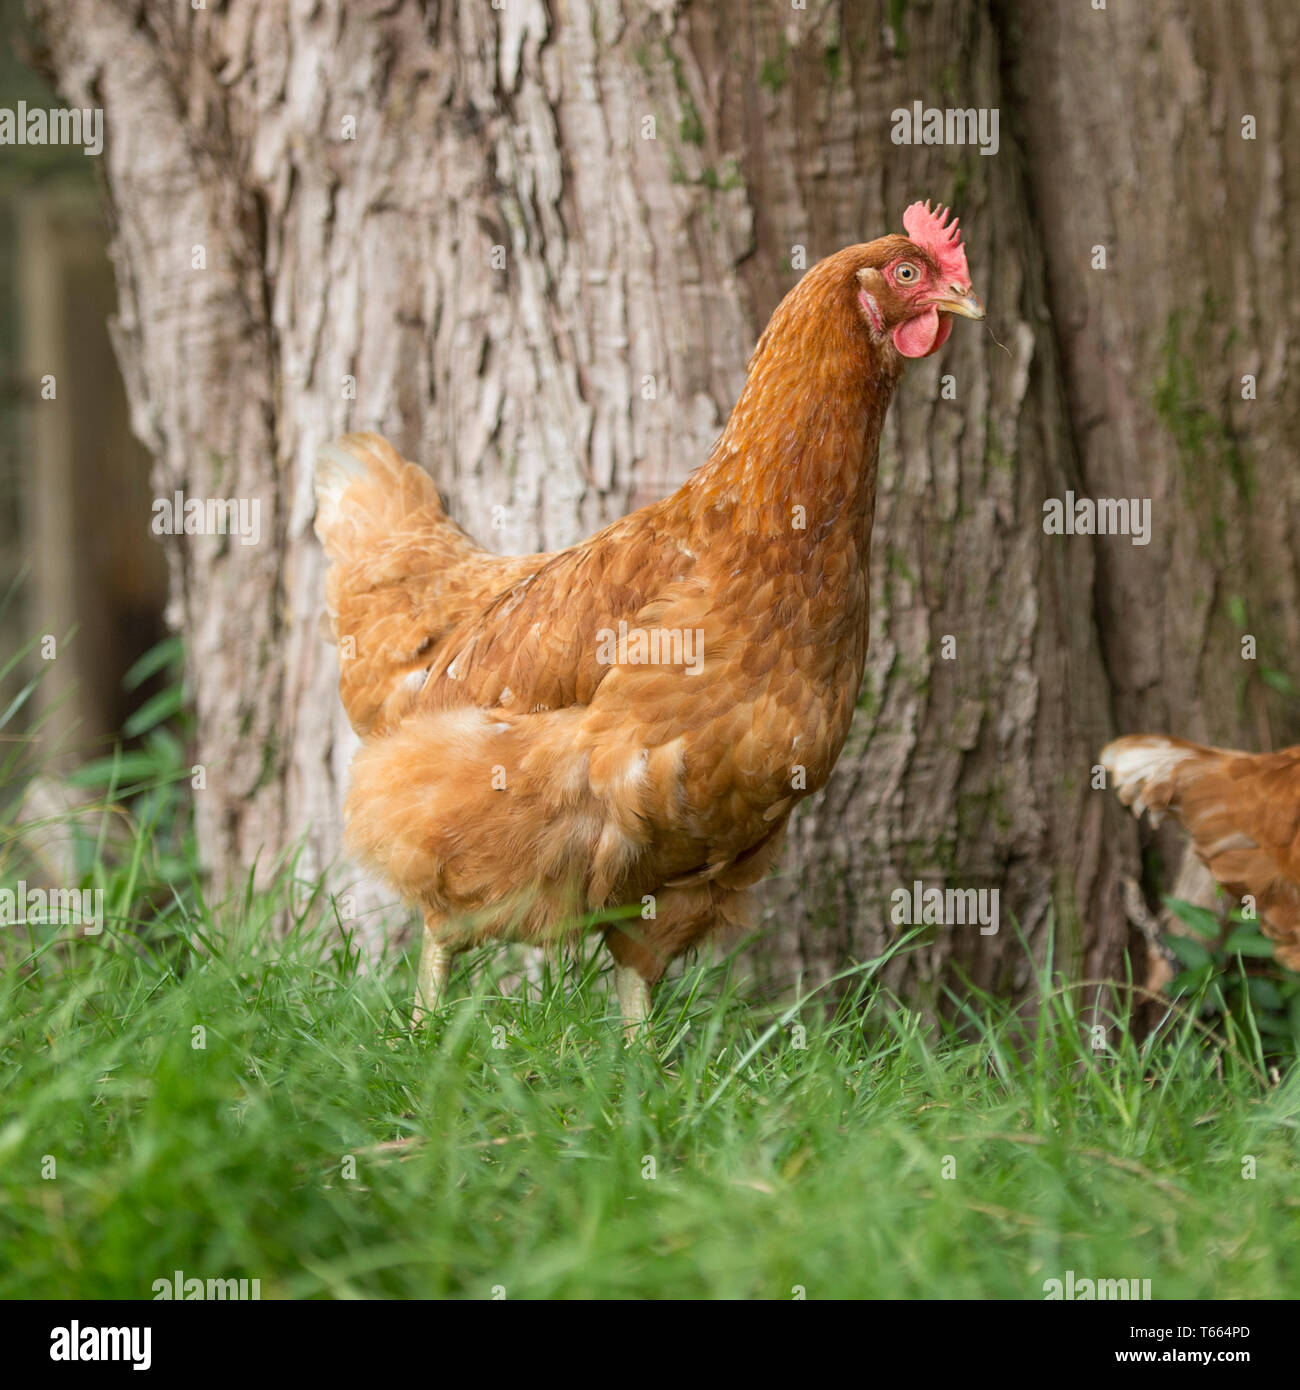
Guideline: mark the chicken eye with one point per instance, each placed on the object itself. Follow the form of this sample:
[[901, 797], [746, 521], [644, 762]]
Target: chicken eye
[[906, 273]]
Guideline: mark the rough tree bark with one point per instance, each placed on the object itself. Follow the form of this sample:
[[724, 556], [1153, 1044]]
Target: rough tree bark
[[350, 171], [1132, 122]]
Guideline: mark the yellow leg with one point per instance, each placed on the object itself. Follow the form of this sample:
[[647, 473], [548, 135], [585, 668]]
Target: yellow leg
[[435, 969], [633, 1001]]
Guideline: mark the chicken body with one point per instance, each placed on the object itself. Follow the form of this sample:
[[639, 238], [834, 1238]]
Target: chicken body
[[627, 723], [1242, 811]]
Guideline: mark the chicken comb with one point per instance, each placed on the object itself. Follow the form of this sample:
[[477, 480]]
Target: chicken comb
[[933, 233]]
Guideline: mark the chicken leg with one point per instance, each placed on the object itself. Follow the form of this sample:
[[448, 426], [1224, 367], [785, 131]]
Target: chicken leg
[[435, 970], [633, 1001]]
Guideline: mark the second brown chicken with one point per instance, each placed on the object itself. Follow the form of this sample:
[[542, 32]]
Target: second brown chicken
[[1242, 811]]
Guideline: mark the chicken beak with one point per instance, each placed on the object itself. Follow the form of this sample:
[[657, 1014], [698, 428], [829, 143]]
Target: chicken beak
[[963, 300]]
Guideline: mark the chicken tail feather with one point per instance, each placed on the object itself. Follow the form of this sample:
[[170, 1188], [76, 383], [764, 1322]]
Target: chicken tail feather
[[366, 492], [402, 574], [1145, 770], [398, 565]]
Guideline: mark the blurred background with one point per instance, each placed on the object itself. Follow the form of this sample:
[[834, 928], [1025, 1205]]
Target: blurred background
[[75, 480], [534, 246]]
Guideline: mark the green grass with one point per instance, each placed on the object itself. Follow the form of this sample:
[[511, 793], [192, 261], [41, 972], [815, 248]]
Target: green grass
[[195, 1090], [517, 1146]]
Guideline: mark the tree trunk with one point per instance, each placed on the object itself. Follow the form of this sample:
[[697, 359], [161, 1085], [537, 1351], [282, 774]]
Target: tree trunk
[[1134, 126], [534, 245]]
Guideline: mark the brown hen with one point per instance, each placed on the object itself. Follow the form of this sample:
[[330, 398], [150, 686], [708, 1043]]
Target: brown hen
[[629, 723], [1242, 811]]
